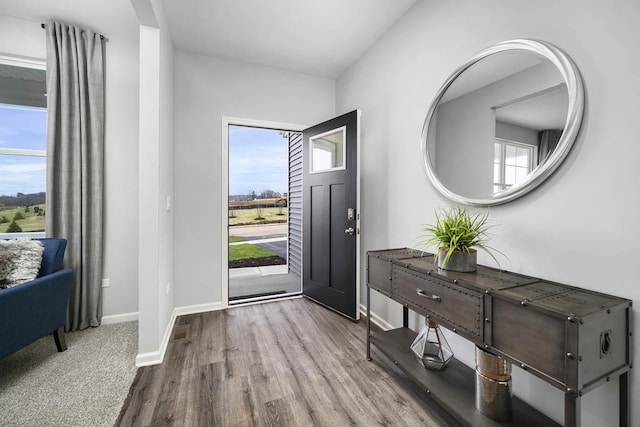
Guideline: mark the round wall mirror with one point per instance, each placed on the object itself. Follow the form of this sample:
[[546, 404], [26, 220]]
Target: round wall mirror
[[503, 122]]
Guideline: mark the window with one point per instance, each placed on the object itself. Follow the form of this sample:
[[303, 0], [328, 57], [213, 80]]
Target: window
[[23, 130], [327, 151], [512, 163]]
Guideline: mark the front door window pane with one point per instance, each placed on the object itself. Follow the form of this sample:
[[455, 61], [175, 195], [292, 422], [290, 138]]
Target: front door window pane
[[327, 151]]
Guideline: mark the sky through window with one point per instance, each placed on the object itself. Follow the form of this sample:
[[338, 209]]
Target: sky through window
[[258, 160], [22, 128]]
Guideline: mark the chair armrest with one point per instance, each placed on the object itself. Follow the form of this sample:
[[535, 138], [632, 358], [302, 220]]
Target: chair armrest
[[32, 310]]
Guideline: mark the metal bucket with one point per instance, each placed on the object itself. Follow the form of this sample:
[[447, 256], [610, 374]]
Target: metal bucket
[[493, 385], [492, 366]]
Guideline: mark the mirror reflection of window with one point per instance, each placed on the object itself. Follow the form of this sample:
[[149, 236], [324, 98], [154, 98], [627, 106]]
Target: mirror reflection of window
[[512, 163], [327, 151]]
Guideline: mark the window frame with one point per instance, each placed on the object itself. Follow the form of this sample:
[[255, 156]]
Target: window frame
[[38, 64], [319, 139], [533, 161]]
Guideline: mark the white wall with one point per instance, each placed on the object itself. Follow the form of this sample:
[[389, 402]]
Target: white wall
[[167, 176], [156, 147], [517, 133], [206, 89], [121, 177], [149, 331], [21, 37], [26, 38], [575, 227]]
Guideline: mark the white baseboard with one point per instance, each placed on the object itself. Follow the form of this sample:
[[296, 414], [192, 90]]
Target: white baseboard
[[156, 357], [119, 318], [375, 319], [147, 359]]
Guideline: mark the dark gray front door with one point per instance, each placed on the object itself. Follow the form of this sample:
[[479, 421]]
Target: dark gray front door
[[330, 214]]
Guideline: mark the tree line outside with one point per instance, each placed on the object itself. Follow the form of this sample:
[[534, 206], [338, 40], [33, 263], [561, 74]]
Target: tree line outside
[[22, 219], [266, 207], [252, 195], [22, 213]]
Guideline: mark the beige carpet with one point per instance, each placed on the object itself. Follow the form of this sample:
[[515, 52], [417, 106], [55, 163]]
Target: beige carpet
[[83, 386]]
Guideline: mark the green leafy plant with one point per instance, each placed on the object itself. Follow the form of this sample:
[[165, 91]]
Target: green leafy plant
[[458, 230]]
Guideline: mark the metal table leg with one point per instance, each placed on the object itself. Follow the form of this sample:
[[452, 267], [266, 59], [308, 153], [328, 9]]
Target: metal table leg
[[571, 409], [405, 317], [625, 414], [368, 323]]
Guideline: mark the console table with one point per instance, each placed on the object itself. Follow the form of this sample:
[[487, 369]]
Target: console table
[[572, 338]]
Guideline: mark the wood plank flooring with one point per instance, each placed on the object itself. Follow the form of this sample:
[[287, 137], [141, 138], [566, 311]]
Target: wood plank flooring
[[284, 363]]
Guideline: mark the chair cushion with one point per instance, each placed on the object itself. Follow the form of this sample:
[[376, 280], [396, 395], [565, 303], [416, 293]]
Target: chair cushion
[[52, 255], [21, 260]]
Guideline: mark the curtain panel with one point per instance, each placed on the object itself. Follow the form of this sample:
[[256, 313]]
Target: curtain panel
[[75, 152], [547, 142]]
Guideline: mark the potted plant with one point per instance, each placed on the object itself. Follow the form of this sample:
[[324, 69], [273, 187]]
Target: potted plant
[[456, 235]]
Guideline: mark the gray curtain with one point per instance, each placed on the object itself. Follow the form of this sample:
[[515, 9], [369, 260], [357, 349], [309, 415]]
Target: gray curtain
[[75, 146], [548, 141]]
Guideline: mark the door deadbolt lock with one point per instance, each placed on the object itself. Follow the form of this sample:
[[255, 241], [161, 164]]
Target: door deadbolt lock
[[350, 214], [350, 231]]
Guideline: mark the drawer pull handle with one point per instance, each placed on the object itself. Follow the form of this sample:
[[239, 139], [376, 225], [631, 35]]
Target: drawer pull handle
[[431, 297]]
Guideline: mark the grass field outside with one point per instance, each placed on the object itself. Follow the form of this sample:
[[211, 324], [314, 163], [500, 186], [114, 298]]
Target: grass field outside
[[31, 221], [257, 216], [248, 251]]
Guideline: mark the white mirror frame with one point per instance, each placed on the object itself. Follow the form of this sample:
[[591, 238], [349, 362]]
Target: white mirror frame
[[575, 112]]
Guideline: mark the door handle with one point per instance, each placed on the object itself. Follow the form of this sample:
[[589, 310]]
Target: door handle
[[350, 231], [431, 297]]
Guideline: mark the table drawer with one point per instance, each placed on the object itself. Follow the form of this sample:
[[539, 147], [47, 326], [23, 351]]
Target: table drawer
[[459, 307]]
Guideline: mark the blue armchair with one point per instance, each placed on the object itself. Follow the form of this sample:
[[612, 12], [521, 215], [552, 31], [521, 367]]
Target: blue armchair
[[38, 308]]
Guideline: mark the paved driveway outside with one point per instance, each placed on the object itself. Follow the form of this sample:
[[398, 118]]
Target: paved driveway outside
[[258, 230]]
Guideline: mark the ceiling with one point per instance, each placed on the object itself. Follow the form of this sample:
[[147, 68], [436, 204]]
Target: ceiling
[[320, 38], [316, 37], [545, 110], [113, 18]]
